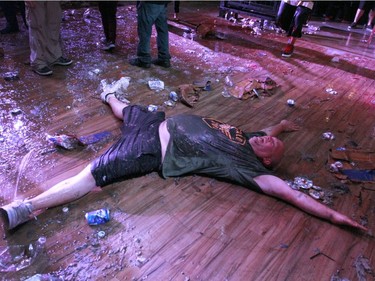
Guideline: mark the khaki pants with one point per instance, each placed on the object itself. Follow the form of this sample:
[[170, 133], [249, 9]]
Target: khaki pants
[[44, 19]]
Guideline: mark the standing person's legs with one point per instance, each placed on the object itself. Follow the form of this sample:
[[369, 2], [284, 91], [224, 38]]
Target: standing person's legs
[[35, 14], [112, 22], [161, 24], [145, 18], [10, 13], [359, 14], [53, 31]]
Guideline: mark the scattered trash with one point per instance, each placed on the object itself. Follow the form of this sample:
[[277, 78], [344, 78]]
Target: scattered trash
[[336, 277], [65, 209], [290, 102], [169, 103], [251, 88], [156, 85], [307, 186], [68, 142], [328, 136], [16, 111], [335, 167], [17, 257], [363, 267], [101, 234], [335, 59], [11, 76], [152, 108], [188, 94], [97, 217], [96, 71], [331, 91], [173, 96], [117, 87]]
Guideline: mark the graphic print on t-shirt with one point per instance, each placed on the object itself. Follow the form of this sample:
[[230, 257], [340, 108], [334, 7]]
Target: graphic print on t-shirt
[[232, 133]]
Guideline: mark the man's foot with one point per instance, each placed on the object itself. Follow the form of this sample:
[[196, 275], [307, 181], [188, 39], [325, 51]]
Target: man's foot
[[9, 30], [108, 46], [137, 62], [16, 213], [162, 63], [44, 71], [352, 25], [368, 27], [62, 61], [288, 51]]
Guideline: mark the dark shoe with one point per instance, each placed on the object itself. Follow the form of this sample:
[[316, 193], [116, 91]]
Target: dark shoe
[[62, 61], [137, 62], [108, 46], [353, 25], [288, 51], [9, 30], [44, 71], [162, 63]]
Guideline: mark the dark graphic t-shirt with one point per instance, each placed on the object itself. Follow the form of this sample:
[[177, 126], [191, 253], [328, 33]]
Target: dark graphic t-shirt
[[209, 147]]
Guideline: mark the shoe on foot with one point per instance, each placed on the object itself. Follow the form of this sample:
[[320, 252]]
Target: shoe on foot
[[288, 51], [62, 61], [137, 62], [162, 63], [352, 25], [108, 46], [16, 213], [368, 27], [44, 71]]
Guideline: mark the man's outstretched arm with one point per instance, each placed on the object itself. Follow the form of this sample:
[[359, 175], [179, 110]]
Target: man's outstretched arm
[[283, 126], [276, 187]]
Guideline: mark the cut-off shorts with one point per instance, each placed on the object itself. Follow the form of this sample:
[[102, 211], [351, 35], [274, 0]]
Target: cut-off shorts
[[292, 18], [136, 153]]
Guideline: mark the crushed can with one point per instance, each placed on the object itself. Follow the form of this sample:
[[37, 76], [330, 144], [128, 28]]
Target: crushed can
[[97, 217], [152, 108]]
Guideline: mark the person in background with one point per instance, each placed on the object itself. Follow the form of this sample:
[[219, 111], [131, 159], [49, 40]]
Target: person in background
[[108, 11], [363, 6], [148, 14], [291, 17], [44, 20], [176, 9], [10, 12]]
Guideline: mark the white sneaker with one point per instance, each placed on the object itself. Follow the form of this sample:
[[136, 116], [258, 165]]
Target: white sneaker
[[16, 213]]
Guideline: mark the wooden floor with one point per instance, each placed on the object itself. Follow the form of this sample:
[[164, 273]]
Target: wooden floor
[[191, 228]]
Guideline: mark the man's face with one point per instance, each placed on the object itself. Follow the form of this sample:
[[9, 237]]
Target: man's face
[[269, 149]]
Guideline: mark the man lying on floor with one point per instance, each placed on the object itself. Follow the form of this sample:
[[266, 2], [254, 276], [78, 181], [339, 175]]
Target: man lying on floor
[[176, 146]]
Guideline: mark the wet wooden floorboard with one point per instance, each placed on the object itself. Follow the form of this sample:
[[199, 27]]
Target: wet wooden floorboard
[[193, 228]]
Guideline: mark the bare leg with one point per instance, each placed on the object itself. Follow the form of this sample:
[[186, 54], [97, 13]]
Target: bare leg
[[371, 16], [116, 106], [358, 15], [65, 191]]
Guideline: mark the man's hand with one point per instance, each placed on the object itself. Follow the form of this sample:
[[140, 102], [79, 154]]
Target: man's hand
[[276, 187], [289, 126], [283, 126]]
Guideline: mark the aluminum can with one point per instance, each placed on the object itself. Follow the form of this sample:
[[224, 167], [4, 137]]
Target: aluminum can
[[290, 102], [97, 217], [152, 108]]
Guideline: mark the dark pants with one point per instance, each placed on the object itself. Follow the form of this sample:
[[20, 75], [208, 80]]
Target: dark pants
[[149, 14], [292, 18], [10, 12], [108, 11]]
